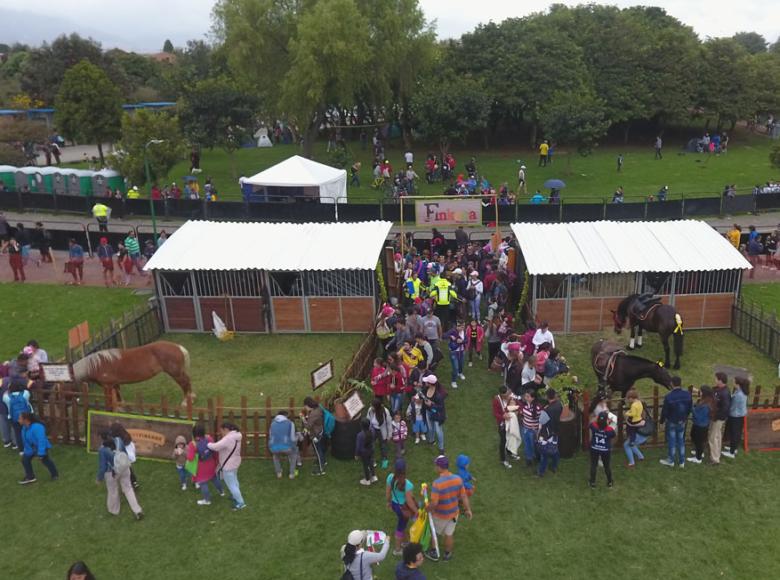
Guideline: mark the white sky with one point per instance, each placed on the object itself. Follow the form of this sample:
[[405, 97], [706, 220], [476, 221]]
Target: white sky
[[144, 24]]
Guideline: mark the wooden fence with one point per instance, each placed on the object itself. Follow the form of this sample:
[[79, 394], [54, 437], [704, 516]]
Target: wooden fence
[[759, 327], [140, 326], [360, 366], [654, 404]]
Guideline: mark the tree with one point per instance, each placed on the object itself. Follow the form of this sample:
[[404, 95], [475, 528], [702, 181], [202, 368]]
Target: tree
[[725, 63], [18, 138], [774, 156], [88, 106], [216, 112], [577, 119], [168, 46], [138, 129], [752, 42], [447, 108]]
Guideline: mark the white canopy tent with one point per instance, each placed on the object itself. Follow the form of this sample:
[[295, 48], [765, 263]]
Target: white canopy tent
[[299, 173]]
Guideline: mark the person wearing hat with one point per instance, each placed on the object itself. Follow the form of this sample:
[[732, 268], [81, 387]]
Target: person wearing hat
[[399, 492], [521, 180], [447, 495], [357, 561], [474, 291], [105, 253], [435, 411], [133, 193]]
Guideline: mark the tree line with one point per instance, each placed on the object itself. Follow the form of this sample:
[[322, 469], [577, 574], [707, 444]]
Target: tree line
[[572, 74]]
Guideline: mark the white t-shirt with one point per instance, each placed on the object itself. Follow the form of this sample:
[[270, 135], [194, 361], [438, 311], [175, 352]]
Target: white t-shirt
[[409, 157], [542, 336]]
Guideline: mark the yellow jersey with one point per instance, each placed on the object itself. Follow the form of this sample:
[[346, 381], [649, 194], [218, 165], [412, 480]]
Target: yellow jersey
[[543, 149]]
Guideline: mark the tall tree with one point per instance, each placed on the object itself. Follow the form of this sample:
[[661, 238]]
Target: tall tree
[[752, 42], [447, 108], [576, 119], [168, 46], [88, 106], [724, 63], [138, 129]]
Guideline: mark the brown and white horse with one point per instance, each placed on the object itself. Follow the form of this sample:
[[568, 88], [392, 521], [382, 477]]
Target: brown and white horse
[[114, 367]]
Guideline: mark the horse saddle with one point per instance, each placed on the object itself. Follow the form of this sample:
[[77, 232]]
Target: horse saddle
[[604, 362], [644, 305]]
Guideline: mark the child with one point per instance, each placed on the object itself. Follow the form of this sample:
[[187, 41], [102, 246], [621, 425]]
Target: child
[[601, 435], [180, 457], [701, 423], [469, 480], [475, 334], [620, 162], [634, 415], [416, 415], [399, 433], [364, 450]]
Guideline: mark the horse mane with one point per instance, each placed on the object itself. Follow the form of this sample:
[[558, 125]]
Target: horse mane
[[91, 364], [622, 309]]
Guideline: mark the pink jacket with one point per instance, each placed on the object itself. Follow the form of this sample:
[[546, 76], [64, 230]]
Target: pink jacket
[[480, 337], [224, 447], [207, 469]]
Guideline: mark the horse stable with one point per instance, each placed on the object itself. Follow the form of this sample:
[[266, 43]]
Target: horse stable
[[579, 272], [270, 277]]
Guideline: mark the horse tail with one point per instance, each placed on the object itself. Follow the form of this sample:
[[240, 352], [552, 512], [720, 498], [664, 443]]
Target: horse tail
[[186, 354], [677, 335]]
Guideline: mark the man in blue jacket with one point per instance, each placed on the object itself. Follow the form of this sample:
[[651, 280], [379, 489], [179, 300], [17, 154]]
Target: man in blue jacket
[[677, 406], [36, 444]]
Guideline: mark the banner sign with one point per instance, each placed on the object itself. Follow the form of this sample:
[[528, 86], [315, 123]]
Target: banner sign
[[154, 437], [448, 212], [762, 431], [321, 375]]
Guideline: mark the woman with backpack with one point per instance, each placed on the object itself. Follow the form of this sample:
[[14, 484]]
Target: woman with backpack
[[207, 464], [35, 444], [357, 561], [229, 447], [399, 492], [433, 396], [124, 442], [17, 400], [114, 469]]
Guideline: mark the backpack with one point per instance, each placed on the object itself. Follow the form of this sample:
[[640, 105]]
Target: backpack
[[347, 575], [121, 463], [17, 405], [471, 292], [328, 422], [203, 450], [648, 428]]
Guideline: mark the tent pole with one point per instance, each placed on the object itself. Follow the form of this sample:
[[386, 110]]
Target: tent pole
[[401, 201]]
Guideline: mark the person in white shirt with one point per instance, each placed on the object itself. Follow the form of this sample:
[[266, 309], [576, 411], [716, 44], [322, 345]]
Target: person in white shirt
[[543, 335], [409, 157], [37, 356], [474, 291]]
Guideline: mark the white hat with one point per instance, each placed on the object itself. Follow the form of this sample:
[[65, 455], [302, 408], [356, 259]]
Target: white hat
[[135, 188], [356, 537], [430, 379], [457, 271], [474, 273], [522, 167]]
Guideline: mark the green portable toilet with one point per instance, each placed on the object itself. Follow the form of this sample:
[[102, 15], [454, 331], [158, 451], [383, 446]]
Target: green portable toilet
[[7, 176], [106, 179], [44, 179], [71, 179], [25, 178]]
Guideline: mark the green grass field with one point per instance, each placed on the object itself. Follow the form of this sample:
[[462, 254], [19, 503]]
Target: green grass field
[[700, 522], [766, 294], [46, 312], [589, 178]]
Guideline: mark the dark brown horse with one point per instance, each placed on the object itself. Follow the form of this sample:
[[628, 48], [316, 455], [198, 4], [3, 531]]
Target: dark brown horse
[[618, 370], [114, 367], [661, 318]]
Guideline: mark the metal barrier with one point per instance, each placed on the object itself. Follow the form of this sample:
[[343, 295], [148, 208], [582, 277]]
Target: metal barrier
[[664, 210], [582, 212], [60, 232], [624, 211]]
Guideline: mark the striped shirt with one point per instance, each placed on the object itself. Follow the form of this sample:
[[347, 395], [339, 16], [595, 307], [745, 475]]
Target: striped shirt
[[531, 415], [131, 243], [445, 494]]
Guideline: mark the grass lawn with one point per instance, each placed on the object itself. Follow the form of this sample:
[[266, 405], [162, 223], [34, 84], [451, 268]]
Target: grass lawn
[[655, 523], [767, 294], [588, 178], [47, 311]]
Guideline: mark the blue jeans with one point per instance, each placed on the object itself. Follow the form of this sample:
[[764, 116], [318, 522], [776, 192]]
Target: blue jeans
[[230, 476], [529, 444], [182, 474], [396, 402], [456, 360], [204, 487], [436, 433], [5, 429], [632, 451], [474, 307], [553, 459], [675, 440]]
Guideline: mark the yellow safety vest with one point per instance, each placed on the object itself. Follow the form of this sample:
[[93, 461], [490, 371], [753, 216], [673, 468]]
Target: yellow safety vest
[[415, 282], [441, 291], [99, 210]]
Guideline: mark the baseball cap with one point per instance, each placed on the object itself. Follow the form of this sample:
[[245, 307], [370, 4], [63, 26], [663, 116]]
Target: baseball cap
[[457, 271], [430, 379], [356, 537]]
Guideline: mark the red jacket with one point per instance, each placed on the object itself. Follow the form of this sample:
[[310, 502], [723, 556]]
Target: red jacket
[[380, 383], [498, 410]]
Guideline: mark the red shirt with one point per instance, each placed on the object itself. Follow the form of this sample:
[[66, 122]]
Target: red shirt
[[380, 382], [499, 408]]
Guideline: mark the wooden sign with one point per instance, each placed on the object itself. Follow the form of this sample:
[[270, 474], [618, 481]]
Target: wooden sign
[[56, 373], [353, 405], [762, 430], [154, 437], [78, 335], [321, 375]]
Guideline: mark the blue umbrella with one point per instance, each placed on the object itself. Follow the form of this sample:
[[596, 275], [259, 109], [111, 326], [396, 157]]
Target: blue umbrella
[[554, 184]]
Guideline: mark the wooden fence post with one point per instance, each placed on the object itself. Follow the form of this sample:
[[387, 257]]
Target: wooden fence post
[[776, 400], [268, 419], [757, 396], [243, 423]]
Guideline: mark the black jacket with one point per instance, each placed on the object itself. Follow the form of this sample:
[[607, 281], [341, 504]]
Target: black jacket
[[722, 403]]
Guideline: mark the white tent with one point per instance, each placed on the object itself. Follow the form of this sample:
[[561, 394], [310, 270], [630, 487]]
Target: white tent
[[310, 178]]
